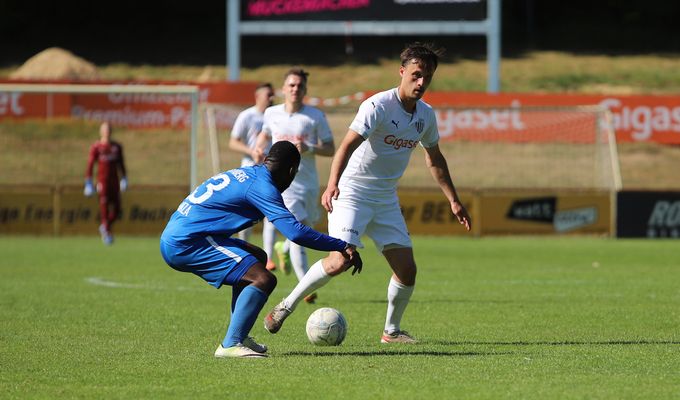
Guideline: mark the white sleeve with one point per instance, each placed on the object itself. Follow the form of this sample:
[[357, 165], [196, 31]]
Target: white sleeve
[[266, 120], [240, 129], [323, 131], [431, 135], [368, 118]]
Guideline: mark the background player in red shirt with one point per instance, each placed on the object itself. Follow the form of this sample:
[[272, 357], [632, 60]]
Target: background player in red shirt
[[109, 157]]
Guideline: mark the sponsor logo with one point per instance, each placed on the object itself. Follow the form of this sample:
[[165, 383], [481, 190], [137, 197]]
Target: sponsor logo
[[664, 220], [537, 210], [399, 143], [643, 120], [569, 220], [351, 230], [544, 210], [396, 123]]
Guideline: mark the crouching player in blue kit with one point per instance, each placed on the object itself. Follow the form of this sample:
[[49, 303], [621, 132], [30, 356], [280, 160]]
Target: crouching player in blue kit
[[198, 239]]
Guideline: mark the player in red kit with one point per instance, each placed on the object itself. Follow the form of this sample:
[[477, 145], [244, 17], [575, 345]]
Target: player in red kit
[[109, 157]]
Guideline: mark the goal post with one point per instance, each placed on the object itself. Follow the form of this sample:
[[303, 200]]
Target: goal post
[[187, 90]]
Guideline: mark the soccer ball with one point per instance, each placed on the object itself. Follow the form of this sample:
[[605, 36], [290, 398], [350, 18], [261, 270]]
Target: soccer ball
[[326, 327]]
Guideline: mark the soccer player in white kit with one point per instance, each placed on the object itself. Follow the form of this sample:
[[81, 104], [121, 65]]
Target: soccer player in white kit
[[243, 139], [361, 196], [307, 128]]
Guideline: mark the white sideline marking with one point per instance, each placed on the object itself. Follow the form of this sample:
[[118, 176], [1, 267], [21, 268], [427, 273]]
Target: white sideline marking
[[97, 281]]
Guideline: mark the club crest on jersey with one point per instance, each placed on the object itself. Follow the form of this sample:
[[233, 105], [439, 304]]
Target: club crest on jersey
[[420, 125]]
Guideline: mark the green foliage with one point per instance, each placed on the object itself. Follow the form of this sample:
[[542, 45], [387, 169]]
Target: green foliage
[[531, 318]]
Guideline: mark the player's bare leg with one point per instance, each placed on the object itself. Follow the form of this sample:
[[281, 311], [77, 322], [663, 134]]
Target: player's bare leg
[[399, 292]]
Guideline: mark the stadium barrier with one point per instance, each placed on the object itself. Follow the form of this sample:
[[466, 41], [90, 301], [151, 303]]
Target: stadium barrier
[[649, 214], [636, 118], [146, 209]]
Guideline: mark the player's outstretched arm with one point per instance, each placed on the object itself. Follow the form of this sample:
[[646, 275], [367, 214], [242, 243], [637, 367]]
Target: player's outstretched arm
[[439, 169]]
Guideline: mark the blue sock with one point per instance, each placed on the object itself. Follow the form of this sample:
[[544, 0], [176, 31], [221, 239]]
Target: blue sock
[[248, 306], [235, 292]]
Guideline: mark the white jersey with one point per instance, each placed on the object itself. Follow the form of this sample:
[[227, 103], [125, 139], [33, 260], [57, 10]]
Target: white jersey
[[308, 125], [247, 126], [391, 134]]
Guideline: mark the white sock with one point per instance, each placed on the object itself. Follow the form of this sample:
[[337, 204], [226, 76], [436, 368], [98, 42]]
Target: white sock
[[315, 278], [268, 238], [398, 296], [298, 257], [286, 246]]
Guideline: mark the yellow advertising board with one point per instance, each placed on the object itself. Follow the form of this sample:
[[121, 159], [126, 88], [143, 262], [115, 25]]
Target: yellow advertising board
[[545, 213], [145, 210]]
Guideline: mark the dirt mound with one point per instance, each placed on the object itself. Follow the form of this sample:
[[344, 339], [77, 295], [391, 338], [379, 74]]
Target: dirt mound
[[56, 63]]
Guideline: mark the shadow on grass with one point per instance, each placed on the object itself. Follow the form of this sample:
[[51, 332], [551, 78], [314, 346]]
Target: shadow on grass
[[397, 353], [563, 343]]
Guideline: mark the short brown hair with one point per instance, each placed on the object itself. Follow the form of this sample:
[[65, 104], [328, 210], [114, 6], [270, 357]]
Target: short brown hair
[[298, 72], [425, 53]]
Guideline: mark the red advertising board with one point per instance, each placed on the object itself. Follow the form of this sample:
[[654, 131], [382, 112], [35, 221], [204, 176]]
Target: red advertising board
[[642, 118]]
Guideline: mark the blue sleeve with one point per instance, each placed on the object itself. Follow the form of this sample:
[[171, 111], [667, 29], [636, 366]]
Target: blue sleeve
[[268, 200]]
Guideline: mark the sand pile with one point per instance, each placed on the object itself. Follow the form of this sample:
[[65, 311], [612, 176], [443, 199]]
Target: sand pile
[[56, 63]]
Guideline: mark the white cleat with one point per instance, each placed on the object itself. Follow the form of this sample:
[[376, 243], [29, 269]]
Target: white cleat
[[250, 343], [237, 351]]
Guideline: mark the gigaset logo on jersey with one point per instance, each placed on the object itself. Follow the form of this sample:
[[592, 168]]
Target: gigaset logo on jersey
[[399, 143]]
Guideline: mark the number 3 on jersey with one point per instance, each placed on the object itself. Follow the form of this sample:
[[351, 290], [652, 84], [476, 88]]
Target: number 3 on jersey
[[210, 188], [214, 184]]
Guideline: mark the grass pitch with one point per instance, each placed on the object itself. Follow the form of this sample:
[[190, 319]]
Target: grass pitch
[[531, 318]]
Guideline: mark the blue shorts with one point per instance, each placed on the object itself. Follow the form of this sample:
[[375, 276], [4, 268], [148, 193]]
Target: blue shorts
[[218, 260]]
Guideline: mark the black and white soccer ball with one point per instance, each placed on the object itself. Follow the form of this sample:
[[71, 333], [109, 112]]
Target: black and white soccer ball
[[326, 327]]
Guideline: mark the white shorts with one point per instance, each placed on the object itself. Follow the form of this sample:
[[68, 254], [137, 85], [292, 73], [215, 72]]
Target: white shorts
[[305, 207], [383, 222]]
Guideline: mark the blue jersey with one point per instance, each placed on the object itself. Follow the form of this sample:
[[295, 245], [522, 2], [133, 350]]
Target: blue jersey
[[234, 200]]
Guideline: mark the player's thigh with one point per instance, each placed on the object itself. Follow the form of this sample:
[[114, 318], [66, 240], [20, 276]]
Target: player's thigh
[[349, 220], [388, 228], [217, 260]]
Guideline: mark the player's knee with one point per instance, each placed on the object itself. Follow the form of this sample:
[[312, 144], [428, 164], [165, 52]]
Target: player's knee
[[334, 264], [267, 282]]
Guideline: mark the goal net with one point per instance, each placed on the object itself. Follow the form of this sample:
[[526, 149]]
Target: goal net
[[46, 131], [530, 147]]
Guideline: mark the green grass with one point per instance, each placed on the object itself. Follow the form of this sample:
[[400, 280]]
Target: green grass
[[531, 318]]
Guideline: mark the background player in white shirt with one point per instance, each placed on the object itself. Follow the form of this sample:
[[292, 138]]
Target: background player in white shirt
[[247, 127], [361, 196], [307, 128]]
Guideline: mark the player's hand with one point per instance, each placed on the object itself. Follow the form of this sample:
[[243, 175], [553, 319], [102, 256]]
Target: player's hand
[[89, 189], [123, 184], [461, 213], [257, 155], [331, 193], [353, 259], [302, 147]]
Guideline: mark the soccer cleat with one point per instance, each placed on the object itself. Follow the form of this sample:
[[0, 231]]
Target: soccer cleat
[[274, 320], [270, 265], [311, 298], [107, 238], [237, 351], [250, 343], [397, 337], [283, 256]]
